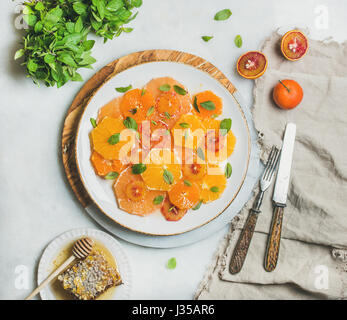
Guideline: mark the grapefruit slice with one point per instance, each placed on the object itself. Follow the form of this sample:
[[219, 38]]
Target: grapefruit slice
[[171, 212], [252, 64], [111, 109], [294, 45], [133, 196]]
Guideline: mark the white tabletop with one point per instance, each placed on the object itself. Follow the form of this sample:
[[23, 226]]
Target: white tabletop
[[36, 201]]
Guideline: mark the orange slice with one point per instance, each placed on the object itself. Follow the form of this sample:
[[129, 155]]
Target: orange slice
[[110, 149], [171, 212], [132, 184], [188, 131], [111, 109], [163, 170], [213, 184], [102, 166], [208, 104], [135, 104], [184, 194]]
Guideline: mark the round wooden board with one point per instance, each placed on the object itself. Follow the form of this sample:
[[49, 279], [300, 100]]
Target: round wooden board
[[101, 77]]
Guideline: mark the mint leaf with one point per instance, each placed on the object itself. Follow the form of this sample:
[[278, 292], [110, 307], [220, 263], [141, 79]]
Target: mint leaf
[[124, 89], [206, 38], [93, 122], [114, 139], [111, 175], [222, 15], [172, 263], [138, 168], [130, 123], [150, 111], [168, 177], [208, 105], [180, 90], [158, 199], [228, 170], [165, 87], [195, 104], [200, 153], [184, 125], [19, 53], [214, 189], [225, 126], [197, 207], [238, 41], [187, 183]]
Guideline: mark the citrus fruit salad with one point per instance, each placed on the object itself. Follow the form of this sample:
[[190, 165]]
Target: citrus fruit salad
[[163, 148]]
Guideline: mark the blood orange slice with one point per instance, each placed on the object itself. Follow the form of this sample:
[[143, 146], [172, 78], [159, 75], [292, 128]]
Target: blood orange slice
[[171, 212], [252, 64], [294, 45], [184, 194], [133, 196], [111, 109]]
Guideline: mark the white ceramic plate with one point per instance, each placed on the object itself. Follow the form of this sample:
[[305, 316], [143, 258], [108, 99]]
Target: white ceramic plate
[[52, 251], [101, 191]]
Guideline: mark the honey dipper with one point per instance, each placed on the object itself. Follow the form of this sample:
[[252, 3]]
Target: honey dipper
[[81, 250]]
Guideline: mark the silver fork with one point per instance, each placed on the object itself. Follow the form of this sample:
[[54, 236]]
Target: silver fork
[[242, 245]]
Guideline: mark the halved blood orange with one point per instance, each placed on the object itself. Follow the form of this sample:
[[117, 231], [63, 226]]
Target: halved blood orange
[[184, 194], [294, 45], [108, 147], [171, 212], [213, 184], [133, 196], [208, 104], [102, 166], [111, 109], [252, 64], [135, 104]]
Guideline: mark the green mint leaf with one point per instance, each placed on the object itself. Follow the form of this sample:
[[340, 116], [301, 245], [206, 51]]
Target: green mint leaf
[[195, 104], [208, 105], [93, 122], [222, 15], [171, 264], [168, 177], [154, 122], [214, 116], [225, 126], [187, 183], [67, 58], [79, 25], [158, 199], [112, 175], [124, 89], [206, 38], [133, 111], [143, 91], [214, 189], [138, 168], [136, 3], [19, 53], [184, 125], [114, 5], [165, 87], [80, 8], [228, 170], [200, 153], [180, 90], [130, 123], [238, 41], [197, 207], [150, 111], [167, 115], [114, 139]]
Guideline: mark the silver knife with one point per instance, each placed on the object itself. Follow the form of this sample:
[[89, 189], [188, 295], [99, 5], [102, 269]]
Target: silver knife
[[280, 197]]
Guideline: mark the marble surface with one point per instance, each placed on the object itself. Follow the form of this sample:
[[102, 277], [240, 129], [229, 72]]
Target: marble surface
[[36, 202]]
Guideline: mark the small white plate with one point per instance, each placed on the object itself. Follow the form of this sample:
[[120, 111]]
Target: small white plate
[[52, 251], [101, 191]]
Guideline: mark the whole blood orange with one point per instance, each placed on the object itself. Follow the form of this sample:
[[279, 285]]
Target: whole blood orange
[[252, 64], [287, 94], [294, 45]]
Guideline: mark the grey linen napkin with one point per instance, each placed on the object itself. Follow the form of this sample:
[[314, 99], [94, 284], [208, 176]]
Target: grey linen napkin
[[313, 260]]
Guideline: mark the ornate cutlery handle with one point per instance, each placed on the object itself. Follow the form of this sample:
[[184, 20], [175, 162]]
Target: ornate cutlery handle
[[274, 240], [242, 245]]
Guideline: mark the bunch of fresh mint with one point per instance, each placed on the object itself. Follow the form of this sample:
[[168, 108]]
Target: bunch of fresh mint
[[55, 44]]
